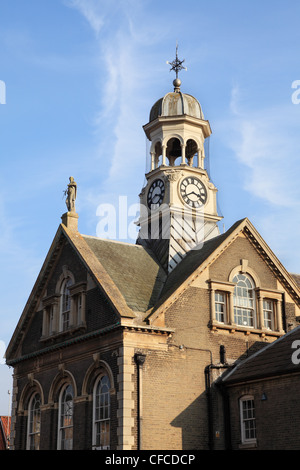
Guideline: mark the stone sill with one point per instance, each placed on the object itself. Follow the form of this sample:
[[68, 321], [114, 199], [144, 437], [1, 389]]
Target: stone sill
[[248, 445], [62, 334], [244, 329]]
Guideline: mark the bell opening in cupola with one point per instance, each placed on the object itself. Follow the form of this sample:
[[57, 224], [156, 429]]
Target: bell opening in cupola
[[173, 150]]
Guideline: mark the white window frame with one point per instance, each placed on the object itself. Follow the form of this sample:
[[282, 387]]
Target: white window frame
[[65, 418], [246, 304], [101, 413], [222, 303], [269, 314], [34, 423], [246, 420]]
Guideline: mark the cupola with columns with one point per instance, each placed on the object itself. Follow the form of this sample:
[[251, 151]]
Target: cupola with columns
[[178, 204]]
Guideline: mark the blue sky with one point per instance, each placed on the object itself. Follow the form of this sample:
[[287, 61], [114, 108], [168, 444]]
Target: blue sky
[[80, 78]]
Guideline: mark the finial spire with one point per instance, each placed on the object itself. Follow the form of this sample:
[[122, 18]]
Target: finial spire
[[176, 65]]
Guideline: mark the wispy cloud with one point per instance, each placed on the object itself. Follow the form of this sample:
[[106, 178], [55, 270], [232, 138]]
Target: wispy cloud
[[259, 140], [124, 79], [265, 142], [92, 10]]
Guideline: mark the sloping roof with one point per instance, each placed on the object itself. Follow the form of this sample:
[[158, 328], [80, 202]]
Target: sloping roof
[[193, 260], [133, 269], [296, 277], [133, 280], [197, 260], [273, 360], [5, 422], [138, 278]]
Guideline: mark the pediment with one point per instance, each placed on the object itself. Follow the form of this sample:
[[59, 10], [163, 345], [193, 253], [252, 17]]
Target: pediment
[[197, 262]]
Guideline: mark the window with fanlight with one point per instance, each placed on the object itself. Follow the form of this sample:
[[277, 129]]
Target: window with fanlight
[[101, 418], [65, 423], [244, 301], [34, 422]]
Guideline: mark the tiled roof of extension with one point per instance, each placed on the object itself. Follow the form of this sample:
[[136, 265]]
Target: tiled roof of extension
[[278, 358]]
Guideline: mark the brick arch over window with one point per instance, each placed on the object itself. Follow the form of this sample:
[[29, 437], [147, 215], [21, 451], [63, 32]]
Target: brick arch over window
[[245, 269], [97, 369], [32, 387], [63, 378], [66, 273]]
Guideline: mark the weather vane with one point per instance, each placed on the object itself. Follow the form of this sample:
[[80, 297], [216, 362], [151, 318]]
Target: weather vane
[[176, 65]]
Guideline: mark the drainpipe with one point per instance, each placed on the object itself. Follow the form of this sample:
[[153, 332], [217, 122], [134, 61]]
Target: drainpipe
[[139, 359], [207, 371]]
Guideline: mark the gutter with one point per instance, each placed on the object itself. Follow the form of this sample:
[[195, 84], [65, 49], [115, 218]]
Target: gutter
[[64, 344]]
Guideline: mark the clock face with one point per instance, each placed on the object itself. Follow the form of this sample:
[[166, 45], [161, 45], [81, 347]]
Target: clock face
[[156, 194], [193, 192]]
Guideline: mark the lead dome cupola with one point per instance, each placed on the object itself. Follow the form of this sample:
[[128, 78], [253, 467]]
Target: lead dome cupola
[[176, 103]]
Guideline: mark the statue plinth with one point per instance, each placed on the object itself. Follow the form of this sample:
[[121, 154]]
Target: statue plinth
[[70, 220]]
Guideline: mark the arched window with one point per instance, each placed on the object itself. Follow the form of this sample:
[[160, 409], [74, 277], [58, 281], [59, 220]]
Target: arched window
[[65, 418], [65, 305], [101, 413], [34, 423], [244, 301]]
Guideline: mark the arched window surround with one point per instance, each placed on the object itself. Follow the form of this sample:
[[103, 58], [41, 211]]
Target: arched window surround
[[95, 372], [32, 388], [65, 417], [34, 422], [62, 313], [244, 300], [61, 381], [101, 412], [267, 304]]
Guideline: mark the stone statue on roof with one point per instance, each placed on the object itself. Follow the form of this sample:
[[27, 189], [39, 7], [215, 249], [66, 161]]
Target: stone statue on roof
[[71, 193]]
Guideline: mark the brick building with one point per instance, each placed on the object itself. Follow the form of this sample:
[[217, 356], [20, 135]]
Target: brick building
[[4, 432], [262, 397], [123, 346]]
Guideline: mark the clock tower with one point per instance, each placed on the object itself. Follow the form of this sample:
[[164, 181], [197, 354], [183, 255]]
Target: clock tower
[[178, 209]]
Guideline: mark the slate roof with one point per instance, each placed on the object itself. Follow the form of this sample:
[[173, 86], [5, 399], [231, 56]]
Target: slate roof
[[133, 269], [273, 360], [193, 260], [296, 278], [139, 276], [131, 276]]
